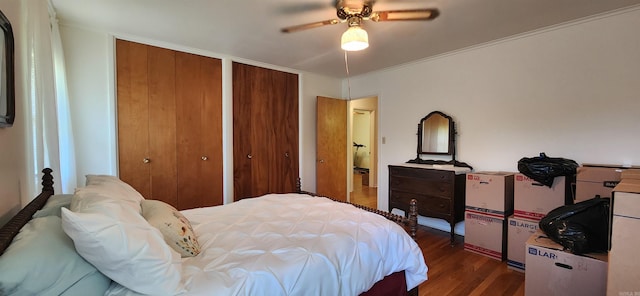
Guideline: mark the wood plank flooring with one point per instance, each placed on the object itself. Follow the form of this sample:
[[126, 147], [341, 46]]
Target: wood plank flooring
[[452, 270], [363, 195]]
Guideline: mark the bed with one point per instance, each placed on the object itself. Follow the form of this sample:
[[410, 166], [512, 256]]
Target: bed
[[115, 242]]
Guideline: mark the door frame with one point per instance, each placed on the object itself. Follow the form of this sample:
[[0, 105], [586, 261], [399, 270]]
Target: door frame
[[369, 103]]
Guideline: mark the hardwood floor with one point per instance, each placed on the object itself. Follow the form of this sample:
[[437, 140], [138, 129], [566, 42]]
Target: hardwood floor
[[362, 194], [452, 270]]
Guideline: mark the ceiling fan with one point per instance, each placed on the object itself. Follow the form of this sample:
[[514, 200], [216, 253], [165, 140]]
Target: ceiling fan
[[355, 12]]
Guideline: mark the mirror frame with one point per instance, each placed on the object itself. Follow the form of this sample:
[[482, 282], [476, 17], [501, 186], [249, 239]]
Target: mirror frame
[[451, 143], [7, 73]]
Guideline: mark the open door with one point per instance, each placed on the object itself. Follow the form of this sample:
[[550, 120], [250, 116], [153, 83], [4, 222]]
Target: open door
[[331, 148]]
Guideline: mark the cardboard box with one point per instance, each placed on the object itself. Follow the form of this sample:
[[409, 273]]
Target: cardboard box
[[518, 232], [533, 200], [490, 193], [592, 181], [624, 261], [551, 271], [623, 258], [485, 235], [631, 174]]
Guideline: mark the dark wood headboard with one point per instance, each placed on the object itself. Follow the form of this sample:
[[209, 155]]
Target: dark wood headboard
[[11, 229]]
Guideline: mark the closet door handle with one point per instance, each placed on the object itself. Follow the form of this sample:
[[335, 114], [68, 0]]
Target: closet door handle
[[146, 160], [204, 157], [249, 156], [286, 154]]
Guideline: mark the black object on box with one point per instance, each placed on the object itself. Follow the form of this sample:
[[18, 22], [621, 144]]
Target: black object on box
[[580, 228], [543, 168]]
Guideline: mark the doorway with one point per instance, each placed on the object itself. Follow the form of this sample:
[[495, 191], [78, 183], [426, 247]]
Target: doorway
[[335, 173], [363, 156]]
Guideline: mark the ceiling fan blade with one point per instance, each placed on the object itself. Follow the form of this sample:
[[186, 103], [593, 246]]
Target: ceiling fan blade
[[405, 15], [302, 8], [309, 26]]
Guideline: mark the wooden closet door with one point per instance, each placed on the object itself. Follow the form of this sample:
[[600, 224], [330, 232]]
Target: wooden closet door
[[162, 122], [146, 119], [251, 129], [133, 115], [170, 124], [265, 117], [284, 109], [199, 130]]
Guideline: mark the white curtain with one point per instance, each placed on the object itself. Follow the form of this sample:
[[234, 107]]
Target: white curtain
[[50, 139], [66, 151]]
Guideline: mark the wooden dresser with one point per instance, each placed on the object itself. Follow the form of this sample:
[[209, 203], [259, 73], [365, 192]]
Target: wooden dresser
[[439, 190]]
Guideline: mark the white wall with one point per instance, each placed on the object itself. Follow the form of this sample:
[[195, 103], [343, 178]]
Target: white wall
[[13, 182], [571, 91], [90, 69]]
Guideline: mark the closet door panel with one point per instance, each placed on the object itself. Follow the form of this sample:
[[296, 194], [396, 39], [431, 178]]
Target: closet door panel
[[285, 122], [242, 140], [211, 123], [162, 119], [266, 129], [263, 130], [199, 130], [252, 131], [133, 115]]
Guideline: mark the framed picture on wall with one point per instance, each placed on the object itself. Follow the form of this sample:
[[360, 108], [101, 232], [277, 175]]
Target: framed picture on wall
[[7, 85]]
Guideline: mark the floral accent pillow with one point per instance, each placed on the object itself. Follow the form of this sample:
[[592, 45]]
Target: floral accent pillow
[[175, 228]]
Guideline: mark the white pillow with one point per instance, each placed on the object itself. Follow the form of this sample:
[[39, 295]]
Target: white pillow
[[123, 188], [85, 197], [175, 228], [124, 247]]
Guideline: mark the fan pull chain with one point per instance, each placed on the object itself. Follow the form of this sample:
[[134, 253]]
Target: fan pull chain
[[346, 63]]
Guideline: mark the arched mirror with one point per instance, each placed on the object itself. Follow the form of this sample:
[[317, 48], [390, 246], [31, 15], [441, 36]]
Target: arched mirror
[[435, 134]]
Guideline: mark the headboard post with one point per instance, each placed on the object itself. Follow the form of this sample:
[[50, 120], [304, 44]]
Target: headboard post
[[298, 185], [47, 180], [413, 218], [13, 226]]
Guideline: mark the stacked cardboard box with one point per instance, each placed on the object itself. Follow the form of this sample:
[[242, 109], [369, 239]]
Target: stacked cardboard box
[[489, 201], [551, 271], [623, 273], [532, 201], [599, 179], [518, 232]]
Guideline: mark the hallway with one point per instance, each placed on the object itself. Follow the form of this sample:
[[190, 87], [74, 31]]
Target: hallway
[[363, 194]]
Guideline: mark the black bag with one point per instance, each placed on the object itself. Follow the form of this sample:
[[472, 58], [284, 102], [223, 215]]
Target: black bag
[[543, 169], [580, 228]]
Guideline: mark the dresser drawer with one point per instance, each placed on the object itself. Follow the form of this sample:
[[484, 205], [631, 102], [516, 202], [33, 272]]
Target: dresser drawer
[[427, 175], [421, 186], [439, 193], [427, 205]]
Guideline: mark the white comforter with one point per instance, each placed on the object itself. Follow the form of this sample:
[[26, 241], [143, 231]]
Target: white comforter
[[292, 244]]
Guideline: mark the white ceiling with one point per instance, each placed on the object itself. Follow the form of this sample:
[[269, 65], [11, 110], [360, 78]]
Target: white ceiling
[[250, 29]]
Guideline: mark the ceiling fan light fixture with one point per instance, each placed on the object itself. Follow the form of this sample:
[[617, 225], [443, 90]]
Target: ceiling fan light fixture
[[355, 38]]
